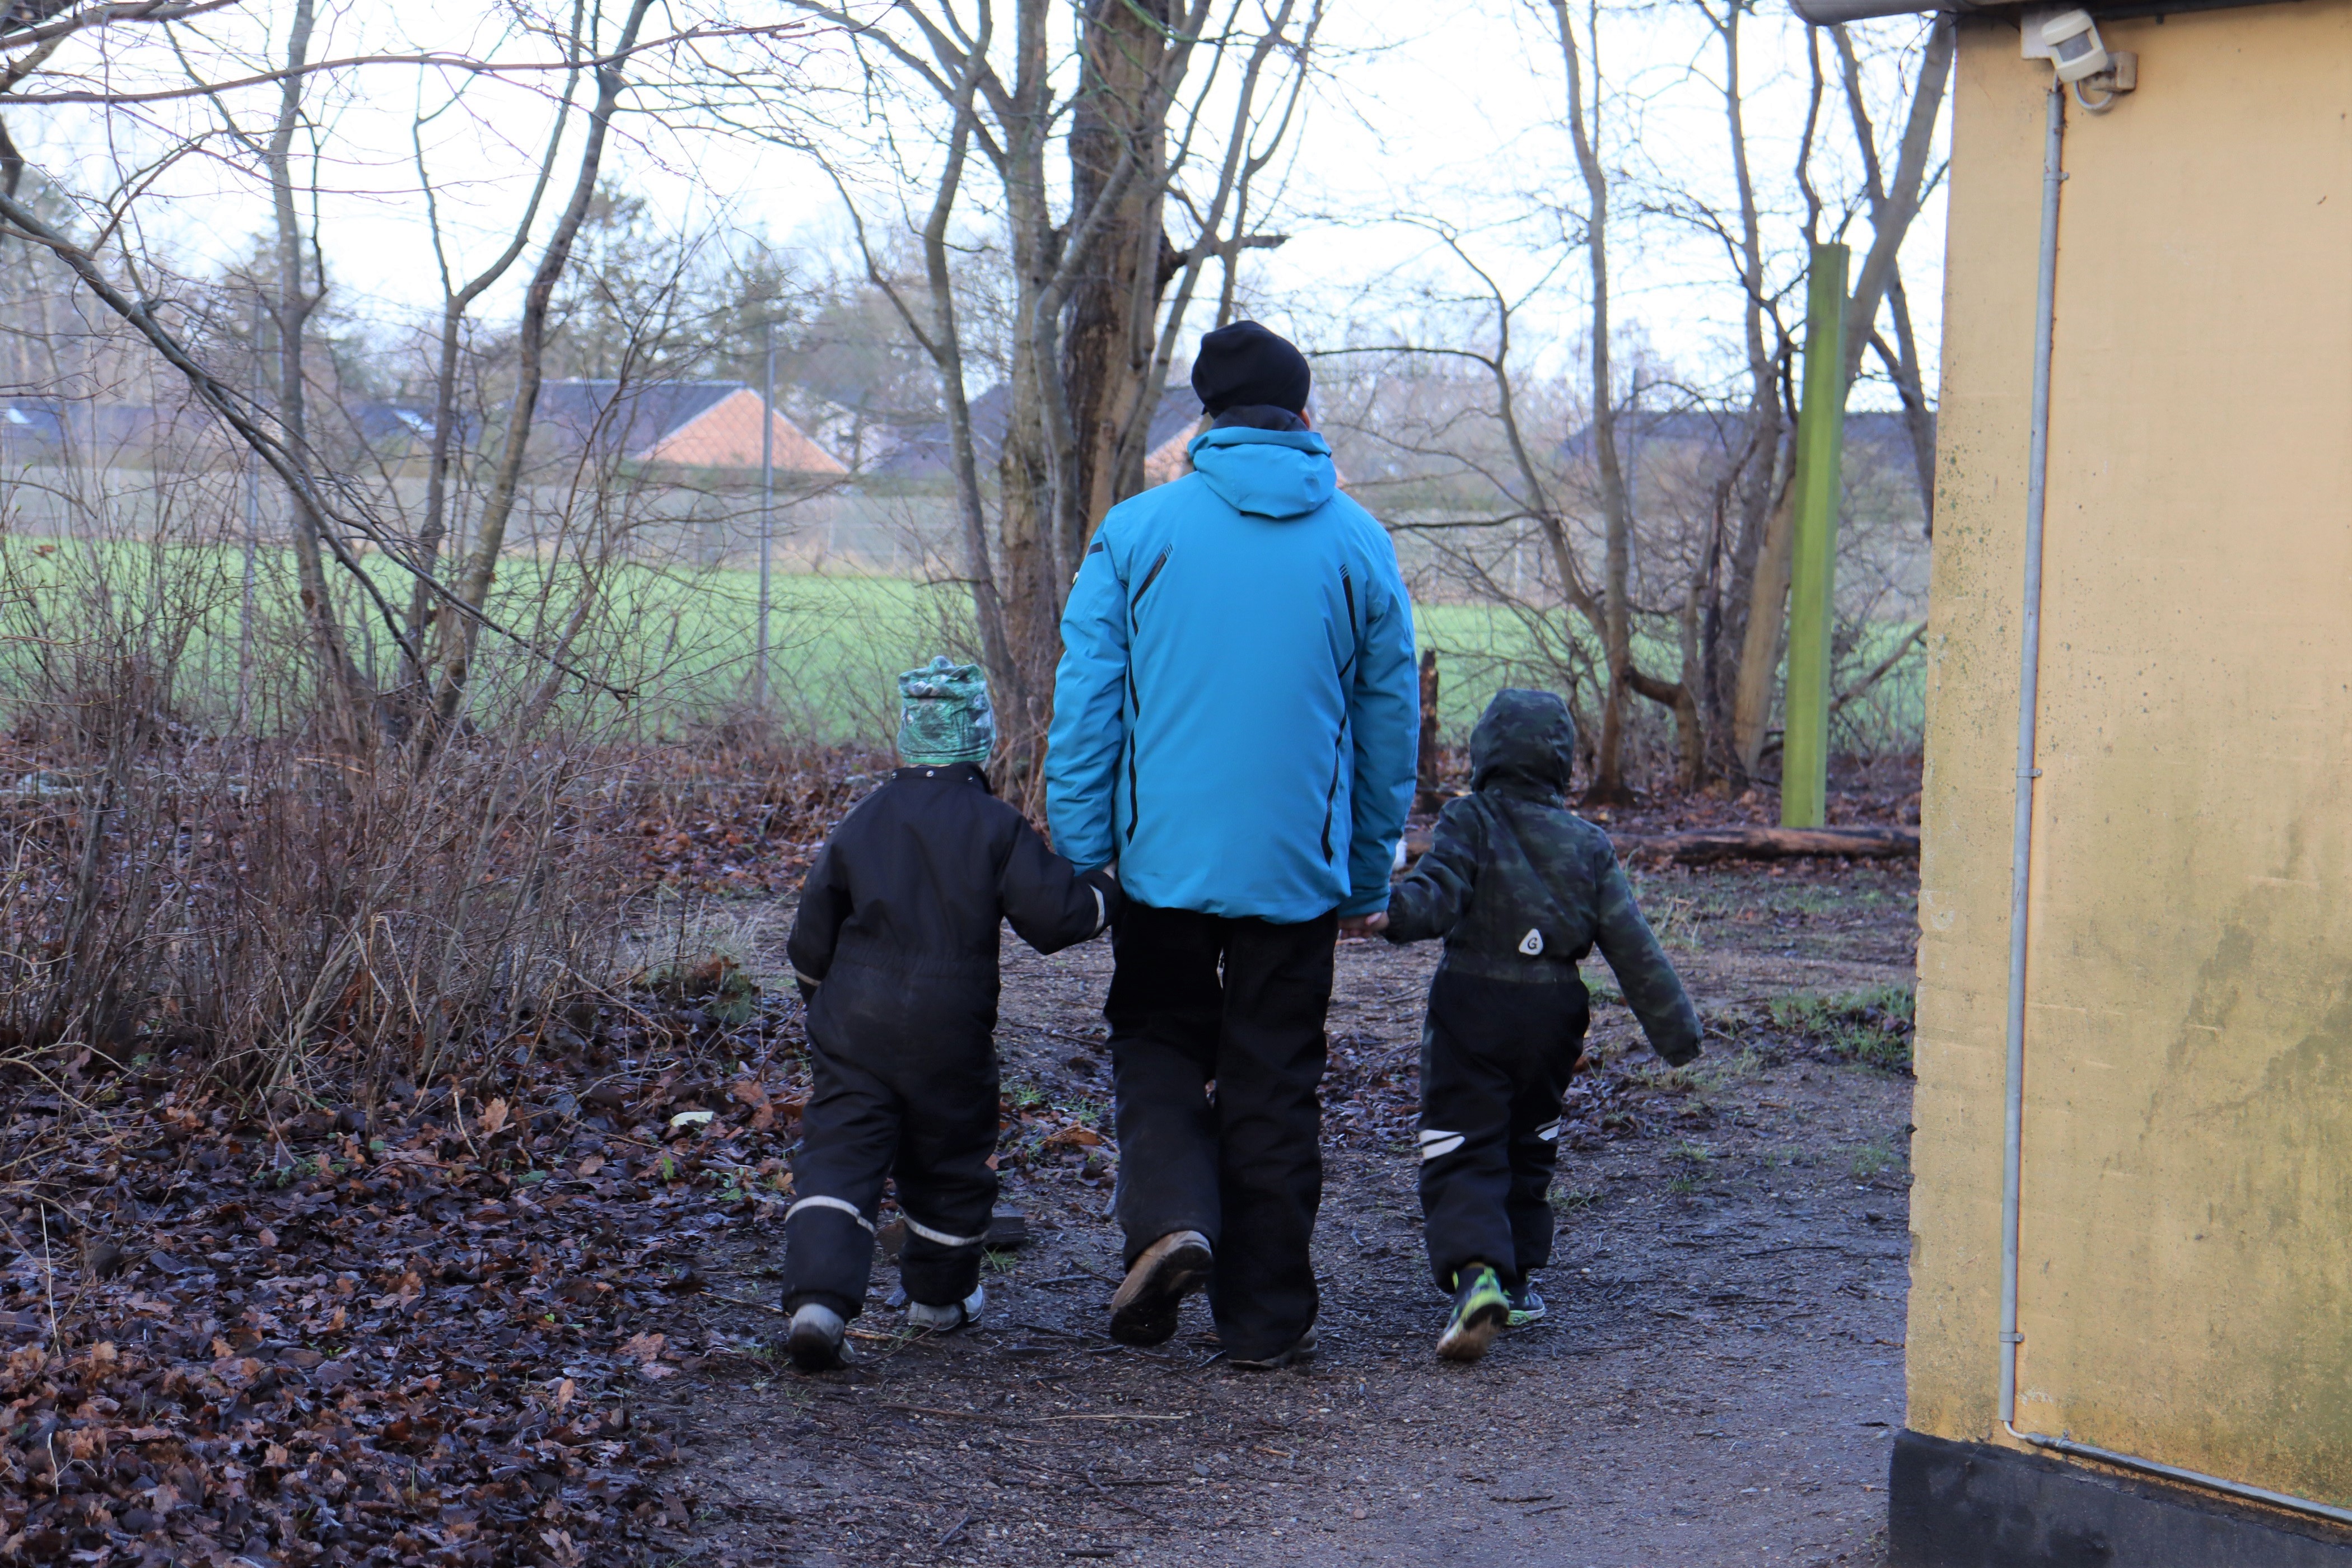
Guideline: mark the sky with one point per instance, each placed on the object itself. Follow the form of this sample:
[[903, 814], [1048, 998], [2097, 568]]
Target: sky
[[1441, 114]]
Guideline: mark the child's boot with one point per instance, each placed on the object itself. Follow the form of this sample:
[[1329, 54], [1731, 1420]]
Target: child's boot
[[1481, 1308], [948, 1319], [815, 1342], [1527, 1305]]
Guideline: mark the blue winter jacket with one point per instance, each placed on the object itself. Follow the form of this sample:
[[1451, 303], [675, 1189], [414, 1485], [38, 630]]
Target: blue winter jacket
[[1236, 712]]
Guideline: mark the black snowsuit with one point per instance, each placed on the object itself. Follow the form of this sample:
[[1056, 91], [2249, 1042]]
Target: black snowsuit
[[895, 947], [1521, 889]]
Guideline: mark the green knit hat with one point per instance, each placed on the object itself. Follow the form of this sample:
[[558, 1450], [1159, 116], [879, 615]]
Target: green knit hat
[[944, 716]]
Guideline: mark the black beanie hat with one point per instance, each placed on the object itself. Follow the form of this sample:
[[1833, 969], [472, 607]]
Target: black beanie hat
[[1245, 365]]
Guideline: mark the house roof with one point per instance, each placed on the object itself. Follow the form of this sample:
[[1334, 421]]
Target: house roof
[[727, 434], [923, 451], [1720, 431], [693, 424]]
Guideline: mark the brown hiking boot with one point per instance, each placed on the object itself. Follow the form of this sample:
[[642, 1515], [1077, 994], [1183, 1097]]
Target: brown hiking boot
[[1144, 1310]]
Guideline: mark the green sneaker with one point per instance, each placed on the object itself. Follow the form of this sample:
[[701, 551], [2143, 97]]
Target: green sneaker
[[1527, 1305], [1480, 1309]]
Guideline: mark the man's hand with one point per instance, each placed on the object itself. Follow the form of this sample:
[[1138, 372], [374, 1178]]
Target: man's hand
[[1365, 925]]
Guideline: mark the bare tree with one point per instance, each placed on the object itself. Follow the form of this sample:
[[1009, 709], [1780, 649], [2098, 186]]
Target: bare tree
[[1608, 783], [1893, 206], [456, 300], [1092, 324], [489, 540], [1892, 209]]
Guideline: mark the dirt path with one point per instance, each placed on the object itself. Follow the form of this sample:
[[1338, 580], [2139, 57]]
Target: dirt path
[[1716, 1385]]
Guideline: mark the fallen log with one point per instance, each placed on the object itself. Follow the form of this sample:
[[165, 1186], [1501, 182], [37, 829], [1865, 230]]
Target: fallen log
[[1705, 846], [1708, 846]]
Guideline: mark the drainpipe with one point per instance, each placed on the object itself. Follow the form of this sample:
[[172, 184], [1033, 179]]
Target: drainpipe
[[2053, 175], [2029, 679]]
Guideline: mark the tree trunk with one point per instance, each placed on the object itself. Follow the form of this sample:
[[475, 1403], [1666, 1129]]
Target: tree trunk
[[1115, 305], [1026, 480], [339, 679], [1760, 651], [1428, 797], [1616, 603], [1759, 473], [1902, 362]]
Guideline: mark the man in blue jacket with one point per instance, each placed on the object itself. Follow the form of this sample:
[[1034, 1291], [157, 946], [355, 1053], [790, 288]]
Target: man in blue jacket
[[1235, 730]]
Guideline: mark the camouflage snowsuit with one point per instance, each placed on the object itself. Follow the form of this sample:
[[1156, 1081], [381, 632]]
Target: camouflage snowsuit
[[1521, 889]]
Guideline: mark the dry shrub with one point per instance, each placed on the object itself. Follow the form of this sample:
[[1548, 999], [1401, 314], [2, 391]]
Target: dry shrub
[[285, 913], [189, 871]]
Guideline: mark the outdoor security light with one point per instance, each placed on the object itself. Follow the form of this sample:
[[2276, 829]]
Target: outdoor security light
[[2072, 40]]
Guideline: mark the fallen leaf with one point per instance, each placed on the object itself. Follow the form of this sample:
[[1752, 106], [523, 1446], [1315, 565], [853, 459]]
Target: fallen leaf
[[494, 1117], [693, 1119]]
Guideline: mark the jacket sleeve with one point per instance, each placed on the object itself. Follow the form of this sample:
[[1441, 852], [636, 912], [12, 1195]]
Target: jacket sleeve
[[1089, 727], [1428, 902], [1385, 712], [1653, 990], [1052, 905], [816, 926]]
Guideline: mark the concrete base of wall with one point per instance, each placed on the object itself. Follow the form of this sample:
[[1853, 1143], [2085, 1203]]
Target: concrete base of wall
[[1974, 1505]]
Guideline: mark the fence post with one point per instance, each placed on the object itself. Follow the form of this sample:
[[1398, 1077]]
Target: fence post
[[1821, 451]]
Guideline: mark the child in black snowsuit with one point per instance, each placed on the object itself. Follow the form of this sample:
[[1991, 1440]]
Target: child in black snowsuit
[[895, 947], [1521, 889]]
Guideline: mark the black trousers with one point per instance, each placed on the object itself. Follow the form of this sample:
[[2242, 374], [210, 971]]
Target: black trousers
[[1496, 1055], [905, 1087], [1199, 1000]]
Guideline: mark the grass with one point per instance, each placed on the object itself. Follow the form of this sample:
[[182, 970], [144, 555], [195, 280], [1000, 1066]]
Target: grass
[[1674, 918], [1572, 1201], [685, 638], [1871, 1025], [1691, 1160], [1877, 1158]]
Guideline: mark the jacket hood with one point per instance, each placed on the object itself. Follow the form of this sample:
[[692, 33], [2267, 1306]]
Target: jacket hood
[[1526, 738], [1279, 474]]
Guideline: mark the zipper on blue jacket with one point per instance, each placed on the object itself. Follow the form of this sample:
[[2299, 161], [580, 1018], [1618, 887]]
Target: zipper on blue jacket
[[1355, 640], [1135, 697], [1331, 792], [1149, 578], [1132, 804]]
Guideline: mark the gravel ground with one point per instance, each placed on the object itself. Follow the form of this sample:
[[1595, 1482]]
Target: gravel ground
[[1716, 1385]]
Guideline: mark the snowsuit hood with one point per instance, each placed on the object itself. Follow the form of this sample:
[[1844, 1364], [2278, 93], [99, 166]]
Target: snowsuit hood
[[1525, 739], [1279, 474]]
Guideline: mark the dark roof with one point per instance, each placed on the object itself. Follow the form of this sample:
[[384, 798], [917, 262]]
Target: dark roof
[[101, 426], [625, 417], [385, 425], [37, 420], [1720, 431], [922, 452]]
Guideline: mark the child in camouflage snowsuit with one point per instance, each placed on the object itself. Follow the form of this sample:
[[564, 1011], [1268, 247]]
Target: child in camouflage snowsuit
[[895, 946], [1521, 889]]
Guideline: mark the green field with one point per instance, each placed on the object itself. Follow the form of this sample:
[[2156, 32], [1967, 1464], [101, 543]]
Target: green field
[[683, 642]]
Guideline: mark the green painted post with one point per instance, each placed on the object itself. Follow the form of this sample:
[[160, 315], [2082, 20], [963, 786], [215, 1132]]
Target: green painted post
[[1821, 450]]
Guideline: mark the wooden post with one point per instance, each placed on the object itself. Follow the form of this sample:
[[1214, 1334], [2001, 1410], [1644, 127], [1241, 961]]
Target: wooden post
[[1820, 450], [1425, 798]]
